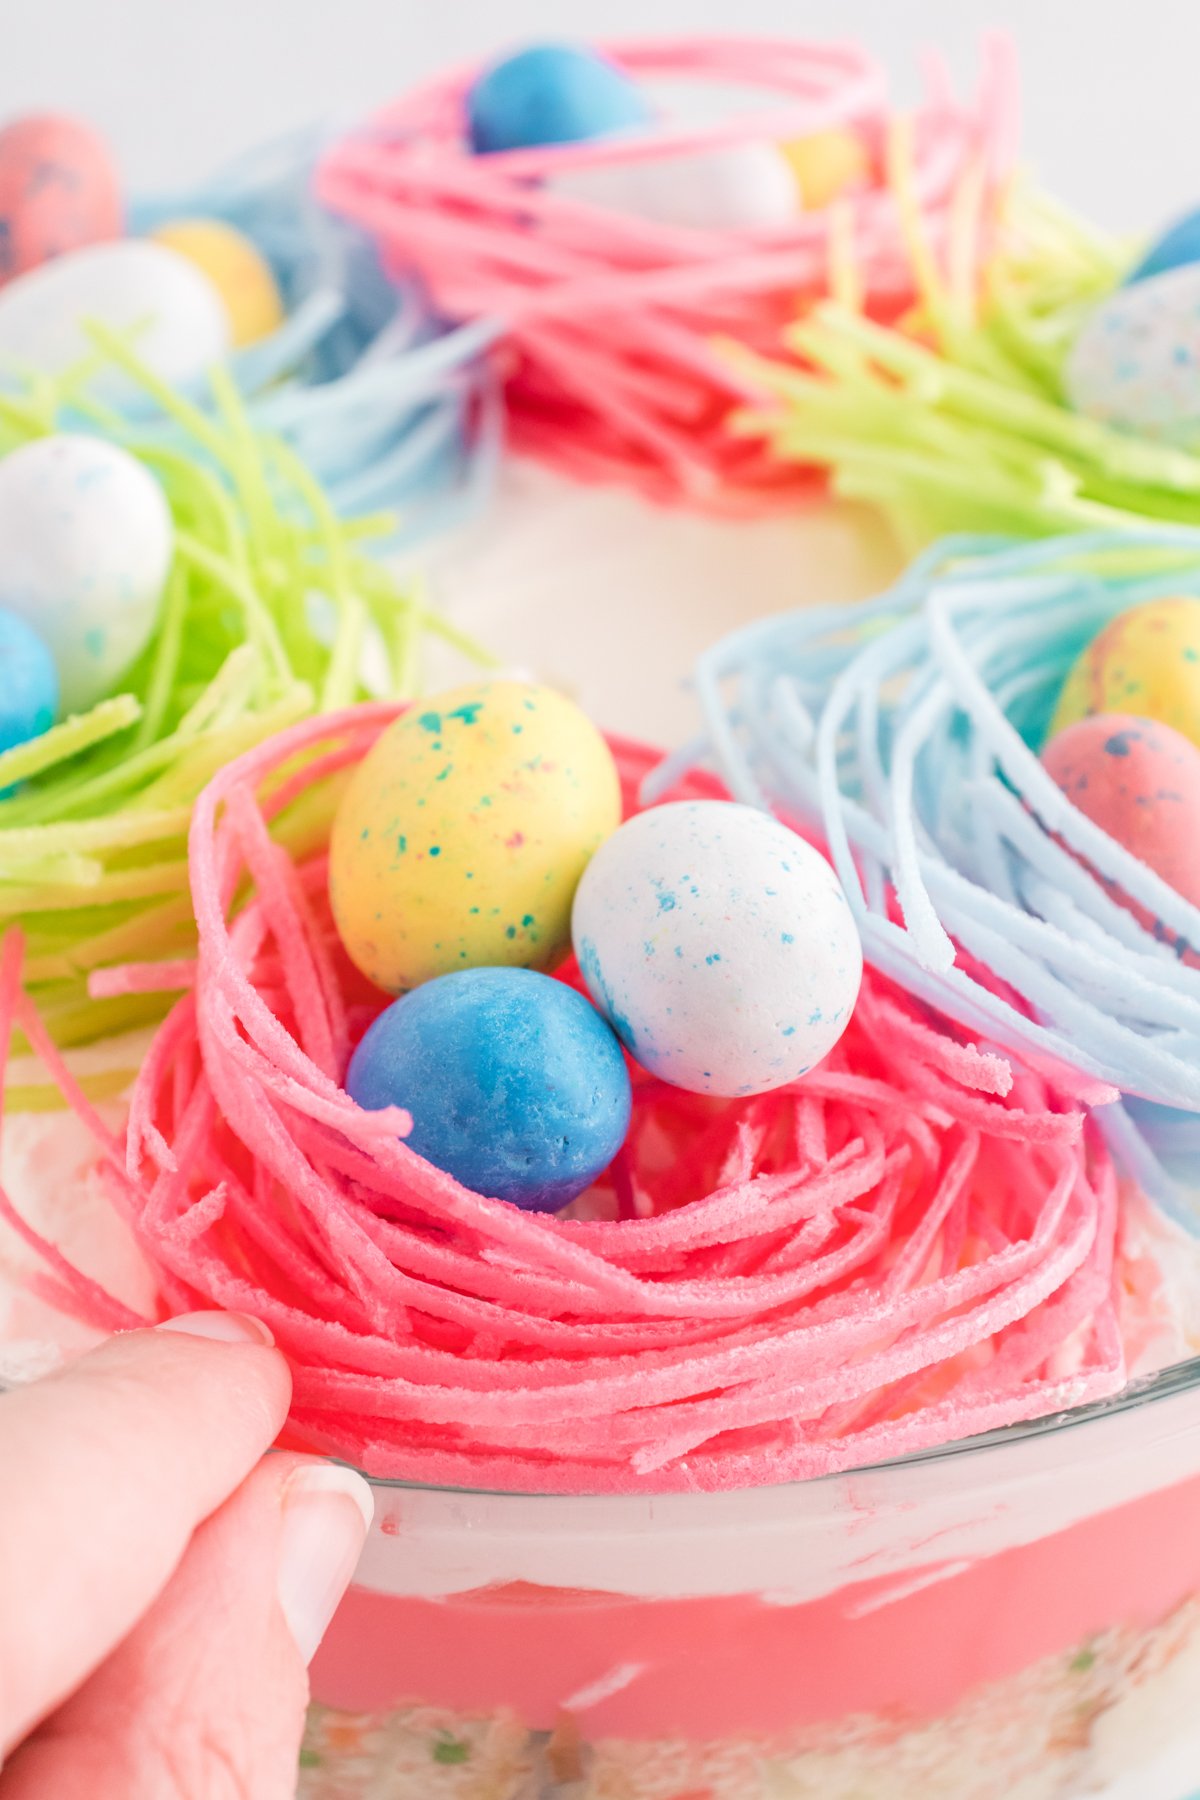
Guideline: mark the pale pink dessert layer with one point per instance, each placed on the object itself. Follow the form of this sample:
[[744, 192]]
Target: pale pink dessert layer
[[729, 1664]]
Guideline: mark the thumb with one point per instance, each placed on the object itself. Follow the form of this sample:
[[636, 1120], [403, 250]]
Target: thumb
[[205, 1699]]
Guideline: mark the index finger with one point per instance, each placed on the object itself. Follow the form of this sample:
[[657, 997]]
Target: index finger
[[106, 1469]]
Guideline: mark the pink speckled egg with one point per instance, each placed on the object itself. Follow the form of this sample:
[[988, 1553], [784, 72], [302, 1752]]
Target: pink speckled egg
[[58, 191], [1139, 780]]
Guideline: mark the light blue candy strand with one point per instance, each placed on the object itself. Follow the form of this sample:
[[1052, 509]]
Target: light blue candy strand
[[908, 731], [392, 408]]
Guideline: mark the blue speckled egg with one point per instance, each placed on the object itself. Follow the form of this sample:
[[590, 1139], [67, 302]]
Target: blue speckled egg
[[516, 1085], [1178, 245], [720, 945], [28, 683], [1136, 363], [551, 94]]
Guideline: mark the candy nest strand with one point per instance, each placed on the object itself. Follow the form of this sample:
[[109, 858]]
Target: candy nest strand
[[955, 418], [388, 407], [907, 733], [268, 607], [914, 1243], [612, 318]]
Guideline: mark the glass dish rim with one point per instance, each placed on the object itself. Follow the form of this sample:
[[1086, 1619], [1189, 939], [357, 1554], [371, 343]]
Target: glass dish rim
[[1146, 1390]]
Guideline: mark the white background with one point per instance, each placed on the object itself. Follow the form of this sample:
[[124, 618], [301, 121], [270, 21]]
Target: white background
[[1111, 85]]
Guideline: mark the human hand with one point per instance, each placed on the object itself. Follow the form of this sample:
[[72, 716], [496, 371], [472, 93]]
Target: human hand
[[163, 1582]]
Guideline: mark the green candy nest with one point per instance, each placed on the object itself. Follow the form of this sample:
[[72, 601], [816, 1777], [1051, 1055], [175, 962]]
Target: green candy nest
[[269, 611], [956, 419]]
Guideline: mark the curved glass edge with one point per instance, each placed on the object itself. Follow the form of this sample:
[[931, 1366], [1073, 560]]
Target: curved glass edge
[[1165, 1384]]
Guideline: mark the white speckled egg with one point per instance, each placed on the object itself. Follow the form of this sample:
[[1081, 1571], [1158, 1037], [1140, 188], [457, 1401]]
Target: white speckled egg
[[86, 540], [1136, 363], [173, 313], [720, 946], [734, 187]]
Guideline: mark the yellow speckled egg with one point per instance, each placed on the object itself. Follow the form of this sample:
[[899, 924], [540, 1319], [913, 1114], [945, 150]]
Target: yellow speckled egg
[[1145, 661], [237, 269], [463, 833], [825, 164]]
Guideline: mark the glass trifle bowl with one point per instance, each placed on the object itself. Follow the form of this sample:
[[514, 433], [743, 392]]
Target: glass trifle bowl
[[1016, 1614]]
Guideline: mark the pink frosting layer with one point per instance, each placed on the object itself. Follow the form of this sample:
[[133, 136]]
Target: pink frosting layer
[[717, 1667]]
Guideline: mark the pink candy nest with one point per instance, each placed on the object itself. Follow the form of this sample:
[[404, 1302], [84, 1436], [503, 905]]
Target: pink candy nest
[[612, 322], [913, 1244]]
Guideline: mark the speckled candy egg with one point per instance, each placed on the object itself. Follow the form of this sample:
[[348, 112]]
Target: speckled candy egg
[[732, 187], [237, 269], [1146, 661], [719, 944], [1140, 782], [516, 1085], [86, 541], [1136, 363], [58, 191], [169, 309], [463, 833], [551, 94]]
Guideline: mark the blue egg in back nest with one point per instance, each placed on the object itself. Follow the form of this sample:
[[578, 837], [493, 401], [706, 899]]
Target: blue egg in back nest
[[517, 1087], [551, 94], [1178, 245]]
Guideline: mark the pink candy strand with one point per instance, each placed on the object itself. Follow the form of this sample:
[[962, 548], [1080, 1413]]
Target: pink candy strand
[[913, 1244], [611, 371]]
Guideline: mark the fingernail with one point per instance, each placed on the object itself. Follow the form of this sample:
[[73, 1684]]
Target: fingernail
[[221, 1327], [326, 1514]]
